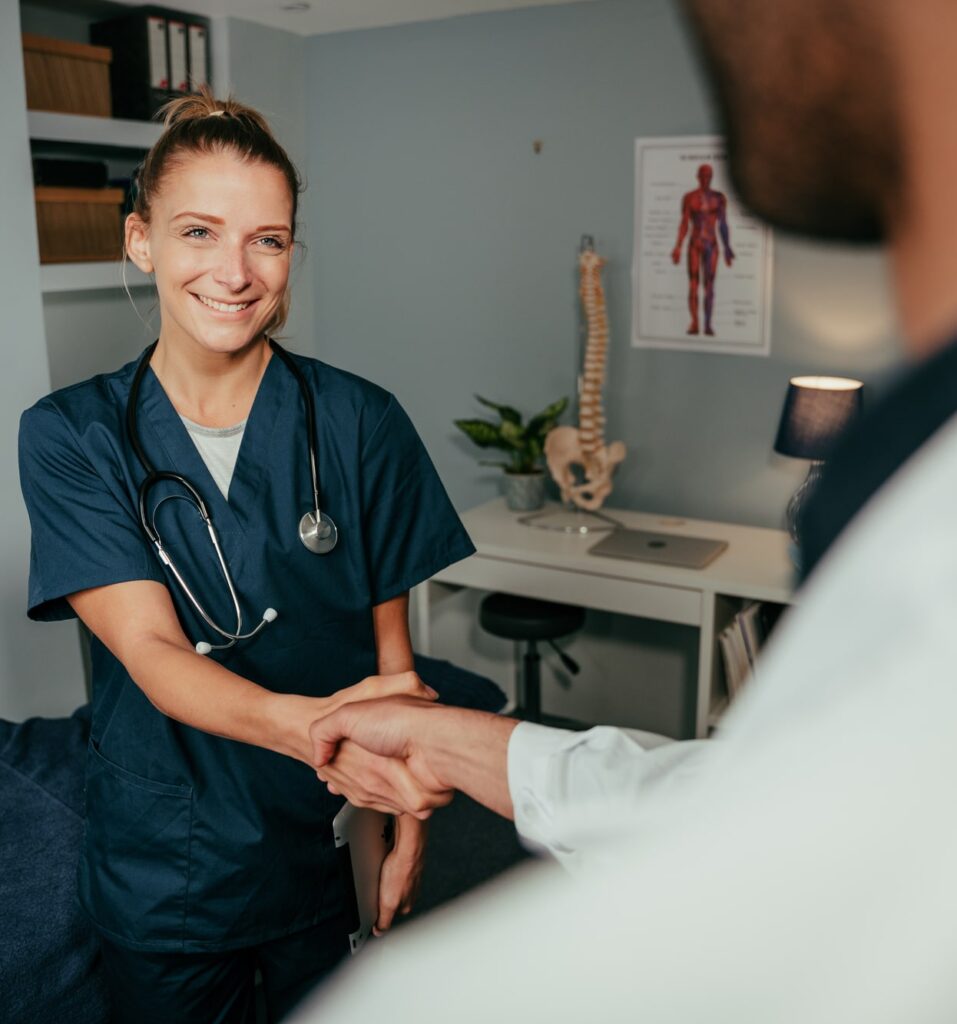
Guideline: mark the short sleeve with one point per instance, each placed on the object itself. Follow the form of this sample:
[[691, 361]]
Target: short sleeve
[[411, 529], [83, 534]]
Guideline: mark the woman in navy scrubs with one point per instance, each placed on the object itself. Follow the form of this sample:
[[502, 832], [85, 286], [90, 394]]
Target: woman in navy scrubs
[[209, 851]]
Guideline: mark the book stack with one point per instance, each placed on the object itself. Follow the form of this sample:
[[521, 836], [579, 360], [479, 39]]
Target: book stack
[[741, 640]]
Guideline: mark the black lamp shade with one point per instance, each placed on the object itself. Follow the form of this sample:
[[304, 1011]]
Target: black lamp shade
[[816, 411]]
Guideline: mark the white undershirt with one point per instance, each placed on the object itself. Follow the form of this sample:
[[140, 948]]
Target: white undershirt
[[219, 449]]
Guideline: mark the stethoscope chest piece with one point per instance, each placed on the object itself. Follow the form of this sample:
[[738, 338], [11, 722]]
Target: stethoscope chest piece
[[319, 537]]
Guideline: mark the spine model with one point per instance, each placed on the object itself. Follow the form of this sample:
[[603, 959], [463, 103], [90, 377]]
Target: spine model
[[584, 446]]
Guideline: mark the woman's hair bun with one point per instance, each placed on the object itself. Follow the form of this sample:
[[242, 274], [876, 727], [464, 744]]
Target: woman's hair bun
[[204, 104]]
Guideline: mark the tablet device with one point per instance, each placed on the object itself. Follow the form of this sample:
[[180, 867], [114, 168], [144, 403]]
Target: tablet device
[[363, 838], [663, 548]]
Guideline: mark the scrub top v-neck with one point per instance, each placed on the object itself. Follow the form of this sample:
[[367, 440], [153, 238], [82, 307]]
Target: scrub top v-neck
[[194, 842]]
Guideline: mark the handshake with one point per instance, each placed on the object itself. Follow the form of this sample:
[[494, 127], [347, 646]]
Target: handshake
[[390, 746]]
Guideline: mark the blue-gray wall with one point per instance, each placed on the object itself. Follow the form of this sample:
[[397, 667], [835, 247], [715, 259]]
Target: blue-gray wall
[[442, 249]]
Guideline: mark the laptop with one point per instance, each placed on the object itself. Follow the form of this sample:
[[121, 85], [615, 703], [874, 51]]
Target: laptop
[[662, 548]]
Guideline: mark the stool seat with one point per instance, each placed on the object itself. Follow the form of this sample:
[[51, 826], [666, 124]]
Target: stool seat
[[526, 618]]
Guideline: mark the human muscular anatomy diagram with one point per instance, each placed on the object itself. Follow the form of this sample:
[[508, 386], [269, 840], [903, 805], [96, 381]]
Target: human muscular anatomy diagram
[[705, 210]]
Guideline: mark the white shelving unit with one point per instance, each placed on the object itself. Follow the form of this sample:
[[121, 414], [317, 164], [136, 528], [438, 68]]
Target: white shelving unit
[[98, 132], [92, 131], [79, 277]]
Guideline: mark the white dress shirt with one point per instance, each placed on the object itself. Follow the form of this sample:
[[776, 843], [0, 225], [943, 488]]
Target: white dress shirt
[[799, 867]]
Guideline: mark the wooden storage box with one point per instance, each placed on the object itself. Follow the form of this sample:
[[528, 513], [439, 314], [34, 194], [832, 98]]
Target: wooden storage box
[[71, 78], [79, 224]]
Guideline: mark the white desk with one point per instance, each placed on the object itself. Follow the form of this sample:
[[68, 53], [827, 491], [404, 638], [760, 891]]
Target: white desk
[[556, 566]]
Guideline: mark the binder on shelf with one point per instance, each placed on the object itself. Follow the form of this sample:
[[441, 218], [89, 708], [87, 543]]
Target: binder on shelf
[[196, 49], [152, 61], [158, 53], [178, 63]]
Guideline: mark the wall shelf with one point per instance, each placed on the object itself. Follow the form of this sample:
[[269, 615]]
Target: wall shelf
[[92, 131], [82, 277]]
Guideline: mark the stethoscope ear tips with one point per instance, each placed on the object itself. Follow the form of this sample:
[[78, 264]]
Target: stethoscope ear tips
[[203, 648], [270, 614]]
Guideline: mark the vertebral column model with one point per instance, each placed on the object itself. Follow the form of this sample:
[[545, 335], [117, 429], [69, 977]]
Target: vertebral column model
[[584, 445], [705, 210]]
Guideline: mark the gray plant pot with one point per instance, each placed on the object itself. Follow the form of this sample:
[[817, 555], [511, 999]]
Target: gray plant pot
[[525, 492]]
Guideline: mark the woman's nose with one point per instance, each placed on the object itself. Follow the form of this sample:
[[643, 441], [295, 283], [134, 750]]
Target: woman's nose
[[233, 270]]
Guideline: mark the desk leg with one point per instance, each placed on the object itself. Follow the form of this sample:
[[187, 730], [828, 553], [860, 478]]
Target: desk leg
[[706, 666], [422, 601], [422, 618]]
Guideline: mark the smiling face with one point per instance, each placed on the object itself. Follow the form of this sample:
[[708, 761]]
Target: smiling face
[[219, 241]]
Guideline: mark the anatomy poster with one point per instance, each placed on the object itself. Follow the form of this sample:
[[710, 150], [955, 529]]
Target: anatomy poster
[[702, 266]]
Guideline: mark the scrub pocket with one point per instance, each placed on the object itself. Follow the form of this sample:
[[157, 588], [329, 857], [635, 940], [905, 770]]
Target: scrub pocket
[[134, 875]]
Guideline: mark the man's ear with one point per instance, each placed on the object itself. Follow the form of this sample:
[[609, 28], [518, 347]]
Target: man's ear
[[138, 242]]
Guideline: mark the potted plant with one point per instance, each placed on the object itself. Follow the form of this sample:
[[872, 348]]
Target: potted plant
[[523, 442]]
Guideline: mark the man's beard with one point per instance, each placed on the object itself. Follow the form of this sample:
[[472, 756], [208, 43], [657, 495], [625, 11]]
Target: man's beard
[[805, 93]]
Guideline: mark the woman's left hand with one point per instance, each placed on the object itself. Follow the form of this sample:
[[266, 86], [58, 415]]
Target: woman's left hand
[[401, 872]]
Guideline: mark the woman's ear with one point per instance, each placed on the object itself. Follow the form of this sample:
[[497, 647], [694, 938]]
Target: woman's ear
[[137, 239]]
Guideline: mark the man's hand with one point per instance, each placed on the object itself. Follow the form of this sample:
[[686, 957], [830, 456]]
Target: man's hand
[[409, 755], [369, 752]]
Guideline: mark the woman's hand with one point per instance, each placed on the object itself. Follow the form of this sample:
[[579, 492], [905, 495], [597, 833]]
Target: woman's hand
[[380, 781], [399, 684], [401, 872]]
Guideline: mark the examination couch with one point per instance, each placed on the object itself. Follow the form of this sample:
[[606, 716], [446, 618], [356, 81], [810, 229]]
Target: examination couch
[[49, 966]]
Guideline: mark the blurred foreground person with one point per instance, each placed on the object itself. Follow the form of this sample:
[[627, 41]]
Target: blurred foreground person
[[799, 867]]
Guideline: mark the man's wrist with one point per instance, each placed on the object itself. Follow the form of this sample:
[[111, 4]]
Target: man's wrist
[[467, 750]]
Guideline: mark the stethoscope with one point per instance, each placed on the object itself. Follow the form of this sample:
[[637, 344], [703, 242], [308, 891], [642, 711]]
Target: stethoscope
[[317, 531]]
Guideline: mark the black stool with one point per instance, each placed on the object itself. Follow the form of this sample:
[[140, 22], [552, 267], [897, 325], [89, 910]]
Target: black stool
[[530, 620]]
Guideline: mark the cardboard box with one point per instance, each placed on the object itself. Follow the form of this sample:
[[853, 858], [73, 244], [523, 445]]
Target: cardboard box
[[71, 78], [79, 224]]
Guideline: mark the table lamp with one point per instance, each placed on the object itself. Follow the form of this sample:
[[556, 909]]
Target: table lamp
[[816, 411]]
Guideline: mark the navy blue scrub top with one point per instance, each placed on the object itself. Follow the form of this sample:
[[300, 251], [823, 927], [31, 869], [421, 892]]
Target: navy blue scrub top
[[194, 842]]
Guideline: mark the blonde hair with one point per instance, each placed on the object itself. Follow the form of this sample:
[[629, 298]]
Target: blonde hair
[[202, 124]]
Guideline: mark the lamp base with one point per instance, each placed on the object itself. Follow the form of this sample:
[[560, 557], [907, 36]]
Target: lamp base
[[571, 519], [792, 515]]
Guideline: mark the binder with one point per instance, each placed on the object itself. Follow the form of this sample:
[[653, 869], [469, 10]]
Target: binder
[[158, 53], [198, 74], [178, 64], [151, 57]]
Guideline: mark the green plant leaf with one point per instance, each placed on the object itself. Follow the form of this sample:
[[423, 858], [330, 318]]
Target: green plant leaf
[[539, 426], [483, 433], [508, 414], [513, 433]]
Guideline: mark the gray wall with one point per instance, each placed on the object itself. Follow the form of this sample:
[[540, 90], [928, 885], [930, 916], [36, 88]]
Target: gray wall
[[40, 670], [443, 250], [266, 68]]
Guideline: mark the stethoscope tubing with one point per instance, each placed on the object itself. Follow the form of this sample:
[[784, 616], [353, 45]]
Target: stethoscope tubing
[[155, 476]]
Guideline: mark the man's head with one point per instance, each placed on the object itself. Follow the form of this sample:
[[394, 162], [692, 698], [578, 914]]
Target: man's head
[[807, 92], [704, 175]]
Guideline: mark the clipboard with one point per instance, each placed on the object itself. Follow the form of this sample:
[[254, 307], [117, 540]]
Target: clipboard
[[363, 838]]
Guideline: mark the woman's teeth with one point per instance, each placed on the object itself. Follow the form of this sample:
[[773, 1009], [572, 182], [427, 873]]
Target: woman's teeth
[[222, 307]]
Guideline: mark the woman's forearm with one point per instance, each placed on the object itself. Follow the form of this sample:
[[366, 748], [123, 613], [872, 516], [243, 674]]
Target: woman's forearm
[[199, 692]]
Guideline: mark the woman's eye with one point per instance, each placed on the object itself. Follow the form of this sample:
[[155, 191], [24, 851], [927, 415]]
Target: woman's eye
[[196, 233], [271, 242]]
